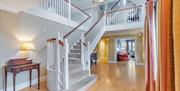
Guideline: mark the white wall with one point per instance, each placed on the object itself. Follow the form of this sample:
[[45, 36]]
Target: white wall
[[95, 13], [16, 28], [9, 45], [18, 5]]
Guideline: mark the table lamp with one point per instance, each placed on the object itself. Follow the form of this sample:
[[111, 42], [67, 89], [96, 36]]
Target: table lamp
[[27, 47]]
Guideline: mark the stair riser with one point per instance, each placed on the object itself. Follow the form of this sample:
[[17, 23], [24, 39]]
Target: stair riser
[[75, 55], [76, 61], [79, 43], [75, 51], [77, 47], [73, 65]]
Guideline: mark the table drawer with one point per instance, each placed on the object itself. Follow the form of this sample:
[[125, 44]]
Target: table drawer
[[27, 68]]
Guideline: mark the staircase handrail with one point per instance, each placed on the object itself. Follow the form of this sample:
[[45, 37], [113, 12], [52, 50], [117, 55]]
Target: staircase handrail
[[130, 15], [88, 17], [101, 18], [119, 10]]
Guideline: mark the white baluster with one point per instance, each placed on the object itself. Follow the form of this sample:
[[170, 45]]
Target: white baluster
[[57, 64], [50, 6], [64, 9], [46, 4], [58, 7], [82, 52], [107, 18], [110, 18], [69, 10], [88, 58], [66, 64], [61, 5]]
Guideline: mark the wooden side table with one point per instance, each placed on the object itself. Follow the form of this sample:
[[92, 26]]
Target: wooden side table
[[19, 68]]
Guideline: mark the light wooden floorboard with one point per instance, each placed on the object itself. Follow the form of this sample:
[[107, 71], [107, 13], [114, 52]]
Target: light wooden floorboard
[[123, 76]]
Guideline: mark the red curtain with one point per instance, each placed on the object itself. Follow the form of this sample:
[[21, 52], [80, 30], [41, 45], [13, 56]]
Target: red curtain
[[165, 80]]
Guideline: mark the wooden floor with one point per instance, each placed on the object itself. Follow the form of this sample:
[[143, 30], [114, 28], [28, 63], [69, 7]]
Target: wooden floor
[[34, 88], [123, 76]]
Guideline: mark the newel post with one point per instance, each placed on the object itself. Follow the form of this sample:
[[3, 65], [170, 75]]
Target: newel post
[[88, 58], [82, 51], [66, 64], [58, 61]]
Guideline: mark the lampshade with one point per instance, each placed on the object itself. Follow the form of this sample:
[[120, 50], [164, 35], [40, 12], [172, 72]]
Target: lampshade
[[27, 46]]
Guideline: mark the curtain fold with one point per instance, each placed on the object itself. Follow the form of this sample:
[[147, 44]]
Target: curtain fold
[[166, 50], [164, 79], [176, 34], [150, 47]]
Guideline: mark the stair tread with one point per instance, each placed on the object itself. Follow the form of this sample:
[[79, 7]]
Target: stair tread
[[78, 76], [75, 58], [74, 64], [73, 70], [75, 53], [84, 84]]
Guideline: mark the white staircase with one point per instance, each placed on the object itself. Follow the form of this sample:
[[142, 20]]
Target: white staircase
[[76, 60], [67, 68], [80, 80]]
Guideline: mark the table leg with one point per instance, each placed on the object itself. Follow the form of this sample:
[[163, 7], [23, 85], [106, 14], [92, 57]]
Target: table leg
[[38, 77], [30, 77], [14, 81], [5, 80]]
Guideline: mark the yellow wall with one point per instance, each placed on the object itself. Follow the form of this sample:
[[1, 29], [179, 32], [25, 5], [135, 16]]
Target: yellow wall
[[176, 27], [111, 46], [103, 50]]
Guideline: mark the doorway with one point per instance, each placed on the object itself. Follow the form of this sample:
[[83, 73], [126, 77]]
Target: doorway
[[125, 49]]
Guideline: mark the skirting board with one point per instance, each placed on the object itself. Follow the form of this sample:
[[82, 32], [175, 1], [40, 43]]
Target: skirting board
[[112, 62], [25, 84]]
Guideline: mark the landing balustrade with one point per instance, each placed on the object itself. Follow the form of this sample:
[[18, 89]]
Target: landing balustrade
[[64, 8], [125, 16]]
